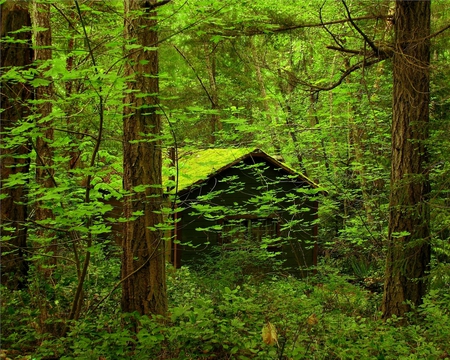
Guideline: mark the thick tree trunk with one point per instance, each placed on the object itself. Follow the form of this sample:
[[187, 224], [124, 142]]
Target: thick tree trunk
[[408, 248], [143, 266], [14, 159]]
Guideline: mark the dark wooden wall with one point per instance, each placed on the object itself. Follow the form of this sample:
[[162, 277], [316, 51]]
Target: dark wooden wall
[[299, 252]]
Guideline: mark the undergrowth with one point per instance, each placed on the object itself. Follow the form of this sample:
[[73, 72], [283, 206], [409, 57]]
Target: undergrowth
[[321, 317]]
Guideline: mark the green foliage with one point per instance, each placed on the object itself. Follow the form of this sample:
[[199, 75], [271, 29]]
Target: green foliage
[[318, 318], [266, 98]]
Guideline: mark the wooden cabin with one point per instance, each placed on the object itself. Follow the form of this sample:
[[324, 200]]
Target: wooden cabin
[[232, 197]]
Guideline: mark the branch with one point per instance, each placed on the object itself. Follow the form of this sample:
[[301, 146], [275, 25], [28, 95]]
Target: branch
[[349, 51], [42, 163], [122, 280], [67, 19], [336, 40], [149, 6], [359, 65], [196, 75], [300, 26], [366, 38], [76, 133], [438, 32], [77, 300]]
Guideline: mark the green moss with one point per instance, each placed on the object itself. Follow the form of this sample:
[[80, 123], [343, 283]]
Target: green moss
[[197, 165], [200, 164]]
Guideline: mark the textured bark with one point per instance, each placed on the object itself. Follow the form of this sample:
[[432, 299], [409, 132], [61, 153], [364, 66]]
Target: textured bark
[[143, 266], [14, 160], [409, 255], [44, 160]]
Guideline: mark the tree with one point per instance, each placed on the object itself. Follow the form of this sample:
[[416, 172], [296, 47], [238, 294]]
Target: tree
[[408, 255], [44, 161], [143, 264], [16, 52]]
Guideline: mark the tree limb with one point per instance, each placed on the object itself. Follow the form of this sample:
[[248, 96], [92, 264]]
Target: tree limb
[[359, 65], [336, 40], [349, 51], [366, 38], [196, 74], [253, 32]]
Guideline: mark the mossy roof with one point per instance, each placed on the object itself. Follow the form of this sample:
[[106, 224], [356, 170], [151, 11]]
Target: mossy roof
[[196, 166]]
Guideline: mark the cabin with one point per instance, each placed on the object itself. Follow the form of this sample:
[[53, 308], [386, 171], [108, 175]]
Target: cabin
[[239, 198]]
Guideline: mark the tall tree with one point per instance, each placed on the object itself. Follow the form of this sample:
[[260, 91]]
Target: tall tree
[[143, 265], [44, 161], [15, 52], [42, 45], [408, 254]]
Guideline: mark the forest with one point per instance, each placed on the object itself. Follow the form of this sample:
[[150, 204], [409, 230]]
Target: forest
[[206, 179]]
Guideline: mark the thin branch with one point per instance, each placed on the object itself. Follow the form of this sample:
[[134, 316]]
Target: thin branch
[[336, 40], [295, 27], [151, 7], [49, 227], [359, 65], [125, 278], [349, 51], [438, 32], [196, 75], [76, 305], [366, 38], [42, 163], [67, 19], [76, 133]]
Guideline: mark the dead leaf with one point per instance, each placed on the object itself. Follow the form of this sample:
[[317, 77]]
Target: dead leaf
[[269, 334], [312, 320]]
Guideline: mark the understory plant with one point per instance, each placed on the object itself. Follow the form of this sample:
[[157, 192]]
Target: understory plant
[[321, 317]]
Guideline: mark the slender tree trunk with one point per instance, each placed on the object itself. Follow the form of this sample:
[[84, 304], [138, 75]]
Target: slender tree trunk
[[44, 157], [265, 103], [408, 254], [143, 266], [44, 160], [71, 86], [287, 91], [216, 125], [14, 160]]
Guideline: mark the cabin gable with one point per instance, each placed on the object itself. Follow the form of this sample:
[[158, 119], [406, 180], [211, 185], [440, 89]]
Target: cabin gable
[[254, 198]]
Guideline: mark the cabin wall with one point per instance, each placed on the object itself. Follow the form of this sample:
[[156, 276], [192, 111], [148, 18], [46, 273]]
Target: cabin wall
[[241, 192]]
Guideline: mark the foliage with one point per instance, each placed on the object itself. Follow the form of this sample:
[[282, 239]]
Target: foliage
[[234, 75], [324, 317]]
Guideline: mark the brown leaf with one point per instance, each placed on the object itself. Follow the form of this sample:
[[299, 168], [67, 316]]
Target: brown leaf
[[312, 320], [269, 334]]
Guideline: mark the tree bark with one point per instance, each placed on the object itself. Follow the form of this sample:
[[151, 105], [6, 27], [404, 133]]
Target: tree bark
[[143, 266], [408, 253], [44, 159], [14, 159]]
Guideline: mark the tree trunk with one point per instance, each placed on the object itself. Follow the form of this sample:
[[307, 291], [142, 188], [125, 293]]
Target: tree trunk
[[215, 124], [143, 266], [271, 127], [44, 159], [408, 254], [14, 161]]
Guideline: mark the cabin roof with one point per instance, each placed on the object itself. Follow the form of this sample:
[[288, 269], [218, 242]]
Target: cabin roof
[[201, 165]]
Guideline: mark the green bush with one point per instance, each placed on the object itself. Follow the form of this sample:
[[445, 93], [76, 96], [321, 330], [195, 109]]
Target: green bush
[[321, 317]]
